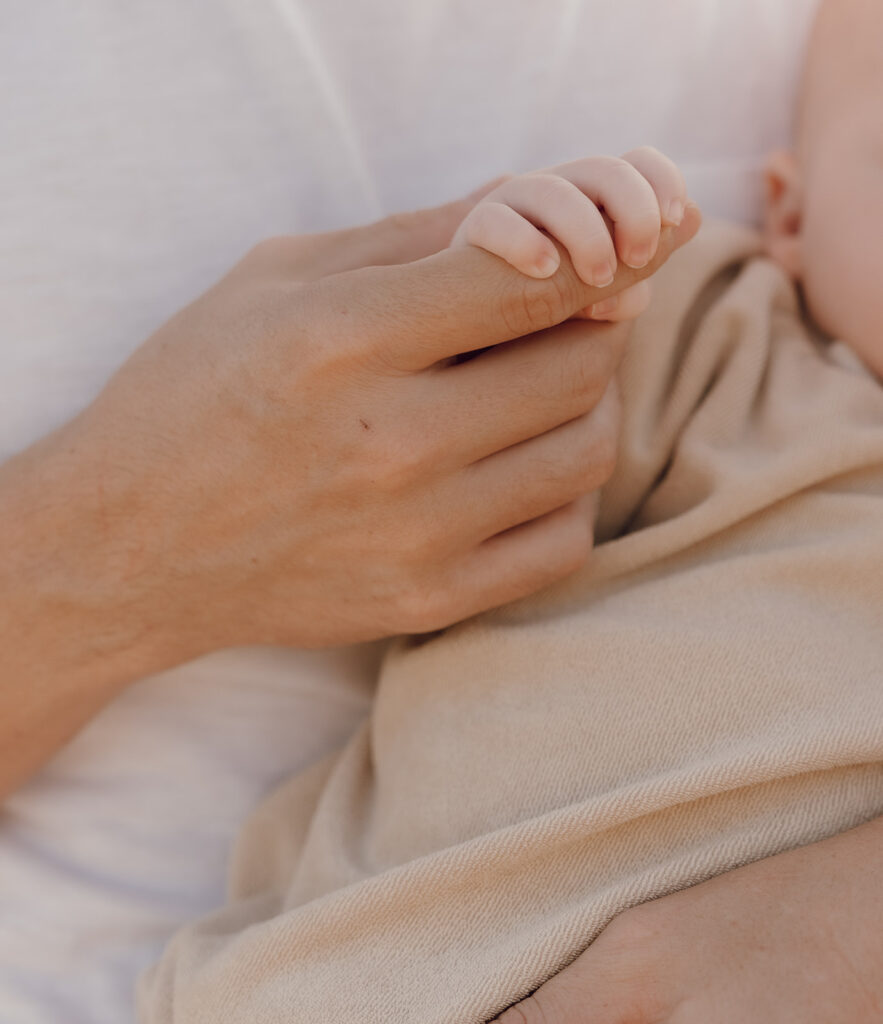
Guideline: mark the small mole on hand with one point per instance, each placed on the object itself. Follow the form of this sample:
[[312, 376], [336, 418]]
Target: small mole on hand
[[364, 424]]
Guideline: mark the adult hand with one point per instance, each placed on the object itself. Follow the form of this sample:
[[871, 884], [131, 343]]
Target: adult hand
[[292, 459], [791, 939], [284, 462]]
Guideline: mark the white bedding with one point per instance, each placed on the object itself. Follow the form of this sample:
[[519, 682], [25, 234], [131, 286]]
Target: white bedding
[[145, 148]]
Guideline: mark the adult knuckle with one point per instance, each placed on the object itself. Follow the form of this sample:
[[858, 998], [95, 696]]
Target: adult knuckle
[[549, 470], [422, 542], [518, 312], [532, 383], [581, 378], [540, 304], [565, 290], [419, 607], [396, 464], [413, 550], [302, 330], [264, 316]]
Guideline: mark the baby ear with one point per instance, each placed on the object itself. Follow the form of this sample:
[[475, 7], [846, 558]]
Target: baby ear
[[783, 211]]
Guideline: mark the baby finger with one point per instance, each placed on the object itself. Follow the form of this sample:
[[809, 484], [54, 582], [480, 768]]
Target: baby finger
[[665, 179], [501, 230]]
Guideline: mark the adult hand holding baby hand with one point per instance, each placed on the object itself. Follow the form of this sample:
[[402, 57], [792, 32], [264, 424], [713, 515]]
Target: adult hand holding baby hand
[[605, 211], [291, 459]]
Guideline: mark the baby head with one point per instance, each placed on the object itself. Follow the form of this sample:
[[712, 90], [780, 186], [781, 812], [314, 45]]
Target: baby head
[[824, 211]]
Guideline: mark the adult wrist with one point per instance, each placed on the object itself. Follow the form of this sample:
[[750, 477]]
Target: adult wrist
[[75, 606]]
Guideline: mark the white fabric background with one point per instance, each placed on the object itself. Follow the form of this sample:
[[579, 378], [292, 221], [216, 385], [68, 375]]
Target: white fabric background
[[145, 147]]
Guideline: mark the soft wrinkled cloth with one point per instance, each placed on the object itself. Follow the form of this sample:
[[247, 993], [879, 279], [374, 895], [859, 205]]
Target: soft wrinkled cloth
[[705, 692]]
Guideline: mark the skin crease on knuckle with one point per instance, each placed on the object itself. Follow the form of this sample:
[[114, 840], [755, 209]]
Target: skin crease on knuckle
[[545, 378], [580, 465], [588, 362], [537, 305], [583, 378]]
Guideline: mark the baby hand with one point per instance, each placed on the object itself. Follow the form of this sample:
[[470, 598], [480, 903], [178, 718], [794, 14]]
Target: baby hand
[[638, 194]]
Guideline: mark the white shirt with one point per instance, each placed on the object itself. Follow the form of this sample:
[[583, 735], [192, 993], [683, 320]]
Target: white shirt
[[145, 147]]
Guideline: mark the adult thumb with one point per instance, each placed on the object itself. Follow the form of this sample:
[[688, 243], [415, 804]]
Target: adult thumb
[[396, 239]]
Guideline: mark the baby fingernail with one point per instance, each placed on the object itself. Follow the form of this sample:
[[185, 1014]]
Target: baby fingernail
[[639, 256], [603, 274], [604, 307], [675, 213], [547, 265]]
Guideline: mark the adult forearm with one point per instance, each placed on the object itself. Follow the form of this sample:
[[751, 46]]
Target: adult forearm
[[73, 630]]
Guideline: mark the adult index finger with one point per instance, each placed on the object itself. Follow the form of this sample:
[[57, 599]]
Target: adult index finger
[[414, 315], [398, 238]]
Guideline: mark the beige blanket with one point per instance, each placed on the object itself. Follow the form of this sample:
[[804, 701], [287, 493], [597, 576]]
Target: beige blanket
[[706, 692]]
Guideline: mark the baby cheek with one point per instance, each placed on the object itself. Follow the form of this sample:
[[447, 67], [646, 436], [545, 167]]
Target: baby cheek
[[843, 270]]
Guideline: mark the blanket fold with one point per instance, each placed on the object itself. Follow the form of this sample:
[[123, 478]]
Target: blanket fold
[[705, 692]]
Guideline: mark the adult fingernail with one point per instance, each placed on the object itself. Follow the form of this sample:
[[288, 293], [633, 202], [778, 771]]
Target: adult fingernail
[[605, 307], [675, 213], [602, 274]]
